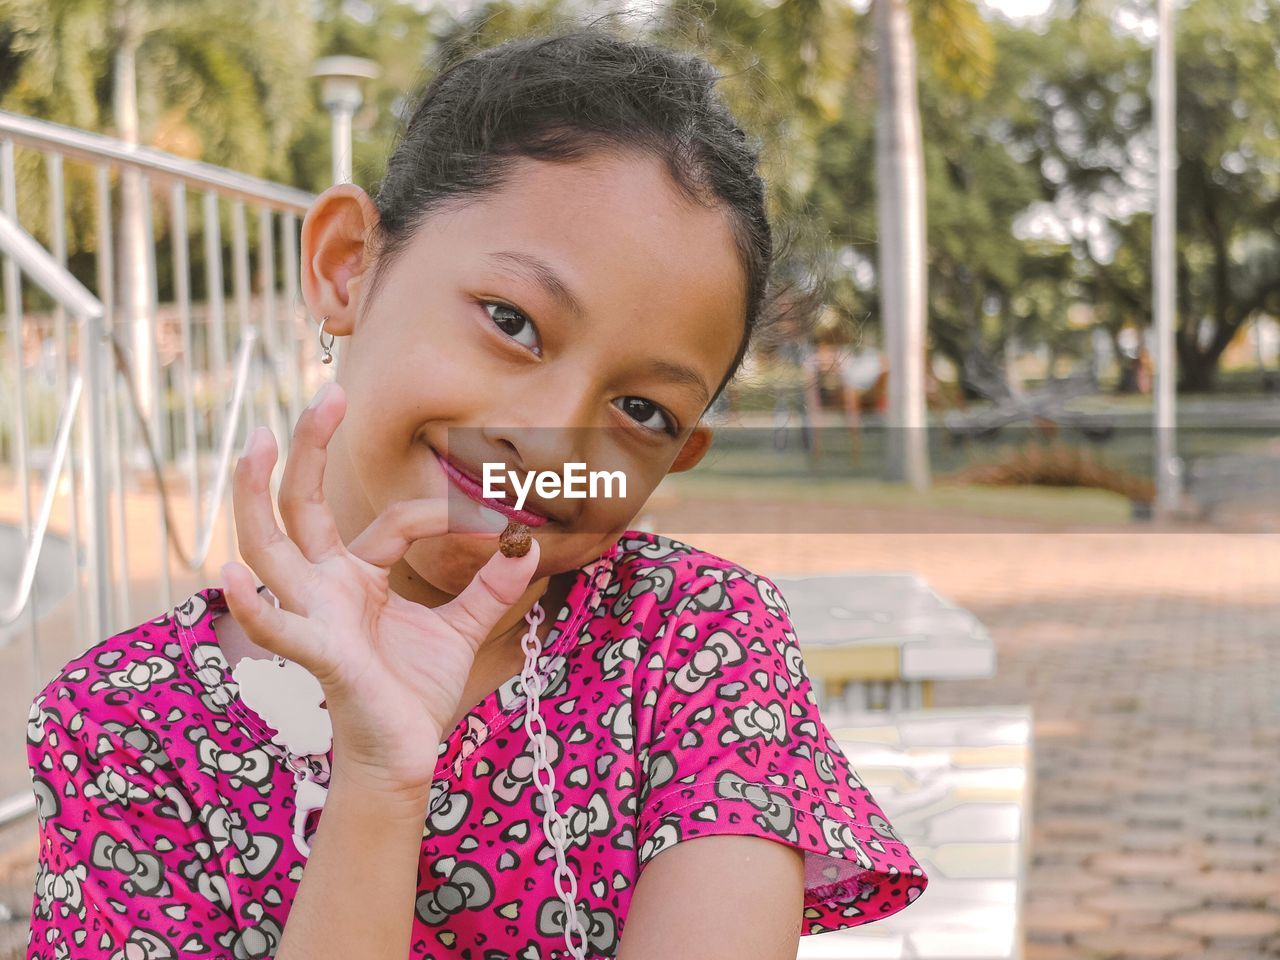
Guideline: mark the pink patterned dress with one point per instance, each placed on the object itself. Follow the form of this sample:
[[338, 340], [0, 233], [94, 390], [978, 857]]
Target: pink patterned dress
[[677, 705]]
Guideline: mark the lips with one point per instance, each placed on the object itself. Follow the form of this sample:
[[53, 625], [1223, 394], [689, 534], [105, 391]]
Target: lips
[[470, 484]]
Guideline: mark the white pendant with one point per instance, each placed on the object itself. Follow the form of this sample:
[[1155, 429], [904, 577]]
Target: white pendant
[[308, 796], [287, 696]]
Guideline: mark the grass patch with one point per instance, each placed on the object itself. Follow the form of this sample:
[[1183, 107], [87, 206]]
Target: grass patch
[[1044, 503]]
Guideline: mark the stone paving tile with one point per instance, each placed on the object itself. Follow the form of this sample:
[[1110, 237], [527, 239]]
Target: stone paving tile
[[1142, 901], [1126, 945], [1244, 886], [1145, 866], [1053, 951], [1226, 924]]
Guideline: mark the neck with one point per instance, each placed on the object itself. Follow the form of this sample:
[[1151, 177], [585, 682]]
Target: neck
[[504, 638]]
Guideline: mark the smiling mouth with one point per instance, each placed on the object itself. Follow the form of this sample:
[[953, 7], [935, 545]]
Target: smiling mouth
[[471, 486]]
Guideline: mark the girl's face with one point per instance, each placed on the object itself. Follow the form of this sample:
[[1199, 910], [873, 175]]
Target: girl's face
[[581, 314]]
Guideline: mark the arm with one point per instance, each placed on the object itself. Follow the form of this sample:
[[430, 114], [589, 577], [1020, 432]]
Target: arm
[[717, 898], [356, 898], [392, 671], [125, 866]]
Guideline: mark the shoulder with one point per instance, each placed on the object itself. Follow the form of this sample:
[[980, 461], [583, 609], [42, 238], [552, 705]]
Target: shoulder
[[130, 683], [706, 623], [688, 582]]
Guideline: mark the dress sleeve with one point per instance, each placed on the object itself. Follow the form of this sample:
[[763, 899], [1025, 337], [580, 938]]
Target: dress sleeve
[[733, 743], [124, 869]]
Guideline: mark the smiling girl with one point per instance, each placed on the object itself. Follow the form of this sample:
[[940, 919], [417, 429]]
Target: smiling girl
[[608, 747]]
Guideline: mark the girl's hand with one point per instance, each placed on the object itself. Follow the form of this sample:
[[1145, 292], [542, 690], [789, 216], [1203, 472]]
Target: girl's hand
[[393, 671]]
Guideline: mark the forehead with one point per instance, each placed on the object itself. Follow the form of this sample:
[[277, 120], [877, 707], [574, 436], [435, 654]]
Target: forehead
[[621, 234]]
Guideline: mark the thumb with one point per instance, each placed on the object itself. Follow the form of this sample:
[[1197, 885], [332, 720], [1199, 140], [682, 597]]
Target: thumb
[[495, 587]]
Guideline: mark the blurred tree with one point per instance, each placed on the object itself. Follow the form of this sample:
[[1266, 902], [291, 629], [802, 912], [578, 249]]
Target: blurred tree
[[224, 82], [219, 82], [1085, 123], [975, 190]]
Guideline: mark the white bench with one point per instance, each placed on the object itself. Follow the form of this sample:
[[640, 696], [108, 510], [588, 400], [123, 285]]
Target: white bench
[[957, 785], [880, 640]]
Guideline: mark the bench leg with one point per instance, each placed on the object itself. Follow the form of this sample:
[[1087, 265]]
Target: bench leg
[[915, 695], [855, 697]]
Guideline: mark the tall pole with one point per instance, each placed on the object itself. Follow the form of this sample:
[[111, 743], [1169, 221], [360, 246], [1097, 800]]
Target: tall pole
[[1167, 466], [342, 80], [341, 142], [902, 265]]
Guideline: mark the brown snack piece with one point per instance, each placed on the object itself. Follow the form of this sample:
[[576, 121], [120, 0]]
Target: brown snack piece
[[515, 540]]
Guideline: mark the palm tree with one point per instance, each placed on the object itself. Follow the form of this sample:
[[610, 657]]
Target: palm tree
[[959, 45]]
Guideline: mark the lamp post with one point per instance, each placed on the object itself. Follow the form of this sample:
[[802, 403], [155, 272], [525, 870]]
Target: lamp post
[[342, 91], [1167, 465]]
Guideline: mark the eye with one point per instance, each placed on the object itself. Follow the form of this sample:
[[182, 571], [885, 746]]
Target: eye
[[643, 411], [511, 321]]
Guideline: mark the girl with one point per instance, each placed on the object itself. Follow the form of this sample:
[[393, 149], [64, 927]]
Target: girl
[[565, 263]]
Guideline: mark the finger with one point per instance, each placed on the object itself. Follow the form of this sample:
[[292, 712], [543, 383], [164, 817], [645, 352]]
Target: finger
[[387, 539], [496, 586], [303, 508], [263, 545], [270, 627]]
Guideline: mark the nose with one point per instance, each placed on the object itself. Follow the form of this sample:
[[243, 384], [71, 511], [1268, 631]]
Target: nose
[[545, 428]]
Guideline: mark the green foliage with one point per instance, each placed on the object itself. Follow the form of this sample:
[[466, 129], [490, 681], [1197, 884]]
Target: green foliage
[[1085, 122]]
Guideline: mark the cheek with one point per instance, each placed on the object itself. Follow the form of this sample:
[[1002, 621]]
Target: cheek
[[603, 514], [403, 378]]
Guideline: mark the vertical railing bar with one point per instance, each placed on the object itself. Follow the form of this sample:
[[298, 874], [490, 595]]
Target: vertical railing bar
[[267, 293], [240, 279], [13, 307], [93, 346], [158, 433], [297, 375], [62, 380], [182, 292], [216, 329], [116, 440], [159, 413]]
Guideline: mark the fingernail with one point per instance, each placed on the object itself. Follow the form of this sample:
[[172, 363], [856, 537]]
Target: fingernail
[[320, 394]]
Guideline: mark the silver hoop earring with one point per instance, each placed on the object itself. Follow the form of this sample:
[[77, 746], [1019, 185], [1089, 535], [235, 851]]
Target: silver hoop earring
[[327, 348]]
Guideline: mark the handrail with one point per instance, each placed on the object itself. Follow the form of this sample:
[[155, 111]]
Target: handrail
[[10, 614], [62, 285], [87, 394], [94, 148], [193, 560], [37, 263]]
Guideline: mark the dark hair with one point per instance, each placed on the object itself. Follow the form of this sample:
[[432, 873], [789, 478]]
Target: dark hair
[[558, 98]]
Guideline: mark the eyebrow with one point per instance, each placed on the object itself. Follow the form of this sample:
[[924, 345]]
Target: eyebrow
[[545, 276], [679, 373], [542, 274]]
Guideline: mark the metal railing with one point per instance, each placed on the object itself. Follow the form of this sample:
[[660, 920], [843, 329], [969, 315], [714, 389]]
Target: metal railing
[[159, 406]]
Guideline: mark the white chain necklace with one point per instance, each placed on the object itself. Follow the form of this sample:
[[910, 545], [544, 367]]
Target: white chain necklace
[[552, 823]]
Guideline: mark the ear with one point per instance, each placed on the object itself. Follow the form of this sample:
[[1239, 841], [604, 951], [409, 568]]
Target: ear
[[695, 446], [335, 255]]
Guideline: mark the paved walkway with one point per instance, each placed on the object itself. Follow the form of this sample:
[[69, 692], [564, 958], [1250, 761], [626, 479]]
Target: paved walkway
[[1152, 661]]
